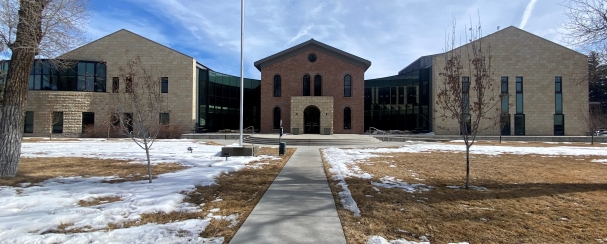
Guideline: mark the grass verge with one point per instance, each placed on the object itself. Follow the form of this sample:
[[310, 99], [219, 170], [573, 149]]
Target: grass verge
[[36, 170], [529, 199]]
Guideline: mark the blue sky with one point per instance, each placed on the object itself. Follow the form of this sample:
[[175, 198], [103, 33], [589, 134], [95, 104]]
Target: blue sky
[[389, 33]]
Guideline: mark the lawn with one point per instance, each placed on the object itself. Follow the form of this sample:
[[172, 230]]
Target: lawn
[[522, 193], [96, 191]]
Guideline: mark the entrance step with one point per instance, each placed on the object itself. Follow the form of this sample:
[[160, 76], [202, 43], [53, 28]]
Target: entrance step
[[313, 140]]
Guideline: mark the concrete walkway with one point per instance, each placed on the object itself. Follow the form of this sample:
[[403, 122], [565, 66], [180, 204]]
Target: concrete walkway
[[297, 208]]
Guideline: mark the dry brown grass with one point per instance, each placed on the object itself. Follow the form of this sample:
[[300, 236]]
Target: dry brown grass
[[239, 193], [530, 199], [532, 144], [98, 201], [36, 170]]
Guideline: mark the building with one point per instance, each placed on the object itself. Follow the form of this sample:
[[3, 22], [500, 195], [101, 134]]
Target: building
[[312, 88]]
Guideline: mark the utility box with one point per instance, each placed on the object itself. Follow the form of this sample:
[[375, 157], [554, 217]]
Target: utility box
[[282, 148]]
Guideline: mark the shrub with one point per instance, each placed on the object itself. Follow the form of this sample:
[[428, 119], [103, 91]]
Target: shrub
[[92, 131], [170, 132]]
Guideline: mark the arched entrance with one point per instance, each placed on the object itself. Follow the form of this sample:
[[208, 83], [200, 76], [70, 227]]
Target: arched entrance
[[311, 120]]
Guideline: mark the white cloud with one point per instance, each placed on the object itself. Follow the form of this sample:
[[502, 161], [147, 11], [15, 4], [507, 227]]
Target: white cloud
[[527, 13], [390, 33]]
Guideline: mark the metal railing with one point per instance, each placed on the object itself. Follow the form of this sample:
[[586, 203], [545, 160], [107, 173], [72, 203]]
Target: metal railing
[[371, 129], [252, 129]]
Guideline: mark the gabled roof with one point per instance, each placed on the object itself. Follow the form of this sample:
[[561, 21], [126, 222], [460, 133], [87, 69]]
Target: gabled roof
[[312, 44], [129, 32]]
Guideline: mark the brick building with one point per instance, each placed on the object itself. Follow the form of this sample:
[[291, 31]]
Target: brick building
[[312, 88]]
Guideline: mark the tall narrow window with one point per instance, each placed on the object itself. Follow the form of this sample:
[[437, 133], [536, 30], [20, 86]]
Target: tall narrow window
[[519, 117], [164, 84], [88, 119], [115, 84], [347, 118], [317, 85], [276, 118], [127, 121], [128, 85], [306, 85], [505, 108], [29, 122], [277, 85], [58, 119], [559, 117], [347, 86], [164, 118]]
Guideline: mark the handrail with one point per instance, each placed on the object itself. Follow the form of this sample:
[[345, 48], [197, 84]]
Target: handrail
[[252, 129], [378, 130]]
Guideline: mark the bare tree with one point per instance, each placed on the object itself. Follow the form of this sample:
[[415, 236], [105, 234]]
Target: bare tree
[[466, 94], [29, 29], [593, 117], [140, 106], [587, 24]]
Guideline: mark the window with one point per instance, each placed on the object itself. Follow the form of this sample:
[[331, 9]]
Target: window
[[558, 95], [276, 118], [115, 84], [306, 85], [312, 57], [164, 118], [317, 85], [127, 121], [519, 117], [29, 122], [559, 118], [411, 95], [347, 86], [129, 85], [519, 95], [347, 118], [88, 119], [58, 119], [164, 87], [505, 107], [466, 94], [277, 85]]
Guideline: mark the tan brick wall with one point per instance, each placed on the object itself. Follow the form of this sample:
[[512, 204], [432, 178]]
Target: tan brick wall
[[332, 70], [116, 49], [518, 53], [300, 103]]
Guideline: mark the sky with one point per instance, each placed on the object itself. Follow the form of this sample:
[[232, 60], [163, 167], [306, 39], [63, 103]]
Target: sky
[[389, 33]]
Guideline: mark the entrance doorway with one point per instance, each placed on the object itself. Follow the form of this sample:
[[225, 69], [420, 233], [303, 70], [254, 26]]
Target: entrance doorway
[[311, 120]]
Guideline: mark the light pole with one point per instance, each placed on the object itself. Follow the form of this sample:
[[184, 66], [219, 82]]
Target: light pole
[[241, 69]]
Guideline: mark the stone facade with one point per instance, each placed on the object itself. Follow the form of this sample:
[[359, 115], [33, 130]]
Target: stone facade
[[324, 104], [518, 53], [332, 69], [115, 50]]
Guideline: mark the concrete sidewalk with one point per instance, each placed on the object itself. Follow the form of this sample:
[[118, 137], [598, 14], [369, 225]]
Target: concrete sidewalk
[[297, 208]]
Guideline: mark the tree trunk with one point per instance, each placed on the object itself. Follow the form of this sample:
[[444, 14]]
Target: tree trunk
[[467, 166], [592, 138], [147, 153], [500, 137], [15, 97]]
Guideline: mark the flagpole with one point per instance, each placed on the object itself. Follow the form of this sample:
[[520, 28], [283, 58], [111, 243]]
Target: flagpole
[[241, 69]]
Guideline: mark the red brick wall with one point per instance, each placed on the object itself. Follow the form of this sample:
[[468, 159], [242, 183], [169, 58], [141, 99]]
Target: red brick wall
[[332, 70]]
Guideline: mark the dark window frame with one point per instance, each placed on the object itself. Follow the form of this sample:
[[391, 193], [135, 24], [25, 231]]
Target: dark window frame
[[28, 122], [276, 116], [164, 118], [115, 84], [347, 86], [128, 85], [57, 126], [317, 85], [85, 116], [277, 85], [347, 118], [306, 85], [164, 84]]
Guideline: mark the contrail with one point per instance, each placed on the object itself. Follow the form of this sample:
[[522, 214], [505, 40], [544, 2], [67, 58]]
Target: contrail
[[527, 13]]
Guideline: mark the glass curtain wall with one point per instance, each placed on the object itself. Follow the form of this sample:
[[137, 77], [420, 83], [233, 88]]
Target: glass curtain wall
[[400, 102], [219, 101], [89, 76]]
